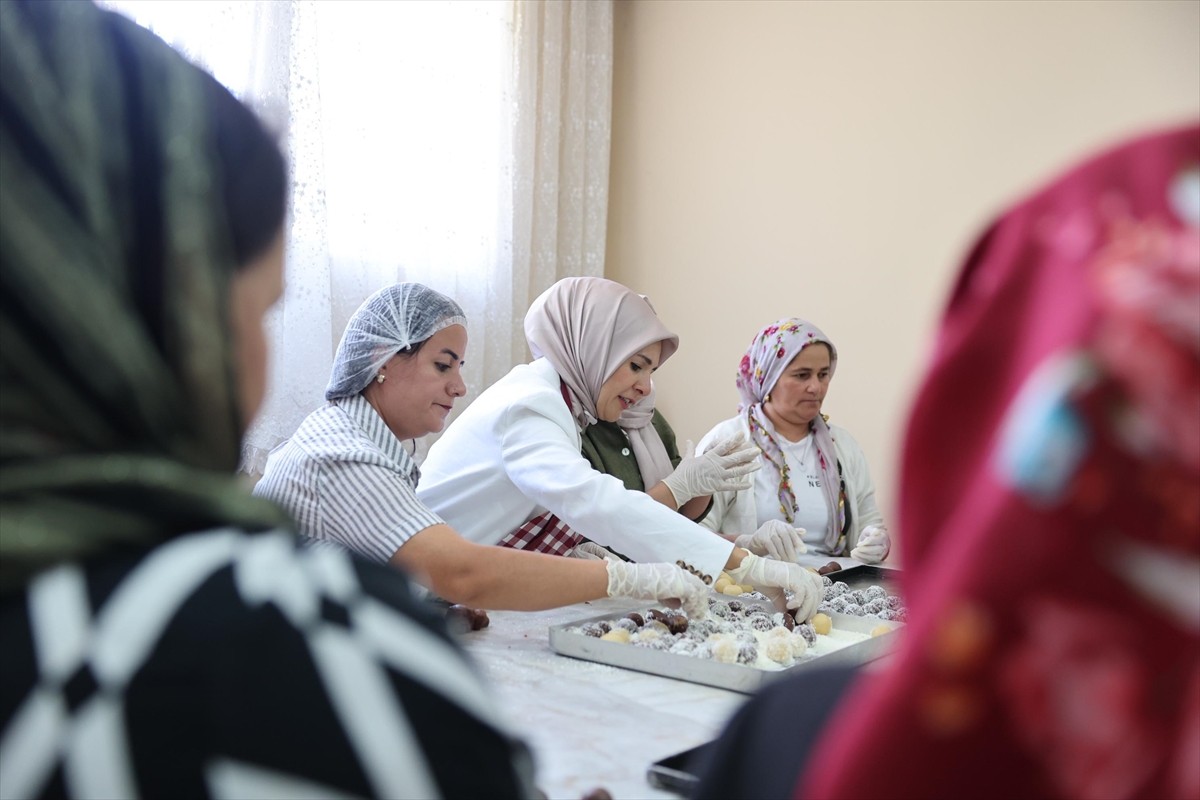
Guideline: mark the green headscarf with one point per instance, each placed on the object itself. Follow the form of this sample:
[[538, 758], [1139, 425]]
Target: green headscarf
[[118, 417]]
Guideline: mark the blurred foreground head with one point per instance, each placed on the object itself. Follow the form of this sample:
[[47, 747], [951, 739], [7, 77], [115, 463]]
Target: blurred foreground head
[[1050, 509], [138, 196]]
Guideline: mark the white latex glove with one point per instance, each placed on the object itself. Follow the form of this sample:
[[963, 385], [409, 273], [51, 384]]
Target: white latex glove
[[775, 539], [658, 582], [590, 551], [805, 586], [724, 467], [873, 546]]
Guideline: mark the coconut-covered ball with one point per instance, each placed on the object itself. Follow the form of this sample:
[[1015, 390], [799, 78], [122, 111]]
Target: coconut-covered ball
[[761, 622], [874, 607], [685, 647], [778, 650], [724, 650]]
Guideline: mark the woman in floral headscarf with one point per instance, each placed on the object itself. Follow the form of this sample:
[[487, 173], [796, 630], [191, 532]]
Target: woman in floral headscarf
[[815, 477]]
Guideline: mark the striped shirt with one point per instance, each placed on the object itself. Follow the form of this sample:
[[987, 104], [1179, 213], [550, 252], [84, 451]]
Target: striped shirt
[[347, 479]]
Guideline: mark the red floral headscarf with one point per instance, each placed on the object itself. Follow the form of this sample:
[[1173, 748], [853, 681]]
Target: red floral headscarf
[[1050, 510]]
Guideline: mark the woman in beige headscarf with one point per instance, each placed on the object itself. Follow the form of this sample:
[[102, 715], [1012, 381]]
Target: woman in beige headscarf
[[511, 464]]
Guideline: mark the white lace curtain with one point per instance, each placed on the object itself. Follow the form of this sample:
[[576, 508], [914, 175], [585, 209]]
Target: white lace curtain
[[464, 145]]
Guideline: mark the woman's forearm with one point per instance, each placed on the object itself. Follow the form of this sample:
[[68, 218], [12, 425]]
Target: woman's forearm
[[501, 578], [662, 494]]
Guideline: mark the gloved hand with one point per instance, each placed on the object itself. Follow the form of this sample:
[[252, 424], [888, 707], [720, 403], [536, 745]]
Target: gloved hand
[[805, 586], [775, 539], [726, 466], [590, 551], [873, 546], [658, 582]]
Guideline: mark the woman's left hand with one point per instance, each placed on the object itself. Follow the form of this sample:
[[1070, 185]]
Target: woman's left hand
[[873, 545], [776, 539]]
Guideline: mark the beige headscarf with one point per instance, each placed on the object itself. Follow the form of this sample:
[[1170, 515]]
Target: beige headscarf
[[585, 328], [648, 449]]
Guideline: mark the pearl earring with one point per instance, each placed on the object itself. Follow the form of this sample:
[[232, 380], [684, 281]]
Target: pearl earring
[[380, 378], [767, 399]]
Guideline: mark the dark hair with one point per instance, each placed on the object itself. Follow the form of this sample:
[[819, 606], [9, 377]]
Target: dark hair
[[412, 349], [254, 175]]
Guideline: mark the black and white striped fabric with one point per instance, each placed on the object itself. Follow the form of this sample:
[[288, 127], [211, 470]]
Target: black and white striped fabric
[[346, 478], [236, 666]]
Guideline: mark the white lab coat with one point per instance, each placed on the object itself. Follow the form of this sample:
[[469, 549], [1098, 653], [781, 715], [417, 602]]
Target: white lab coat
[[514, 453]]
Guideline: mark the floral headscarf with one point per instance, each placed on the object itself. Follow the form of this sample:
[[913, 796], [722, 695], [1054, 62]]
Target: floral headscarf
[[764, 362]]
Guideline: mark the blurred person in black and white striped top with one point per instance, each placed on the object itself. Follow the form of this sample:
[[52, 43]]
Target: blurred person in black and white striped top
[[162, 634]]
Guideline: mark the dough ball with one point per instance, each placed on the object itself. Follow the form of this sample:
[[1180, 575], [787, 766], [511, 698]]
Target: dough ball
[[648, 635], [462, 618], [880, 630], [616, 635], [761, 622], [733, 590], [778, 650], [725, 651], [822, 624]]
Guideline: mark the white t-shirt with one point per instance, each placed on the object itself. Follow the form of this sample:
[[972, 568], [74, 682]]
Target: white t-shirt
[[811, 512]]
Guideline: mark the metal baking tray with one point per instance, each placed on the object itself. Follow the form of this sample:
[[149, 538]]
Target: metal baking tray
[[736, 677], [867, 575]]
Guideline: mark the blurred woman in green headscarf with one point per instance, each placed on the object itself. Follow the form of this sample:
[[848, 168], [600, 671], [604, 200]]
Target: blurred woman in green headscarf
[[162, 635]]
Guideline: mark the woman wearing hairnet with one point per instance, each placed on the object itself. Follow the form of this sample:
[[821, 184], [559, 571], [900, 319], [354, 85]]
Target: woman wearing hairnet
[[346, 477]]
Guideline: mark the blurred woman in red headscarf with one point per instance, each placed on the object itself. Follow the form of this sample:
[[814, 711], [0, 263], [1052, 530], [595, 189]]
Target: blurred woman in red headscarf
[[1050, 512]]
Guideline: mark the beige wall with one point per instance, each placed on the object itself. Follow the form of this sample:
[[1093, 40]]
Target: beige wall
[[833, 160]]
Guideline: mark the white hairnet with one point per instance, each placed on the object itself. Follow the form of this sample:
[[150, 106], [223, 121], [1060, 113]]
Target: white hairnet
[[391, 320]]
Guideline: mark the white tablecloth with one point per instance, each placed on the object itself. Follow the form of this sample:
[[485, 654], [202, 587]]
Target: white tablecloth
[[589, 724]]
